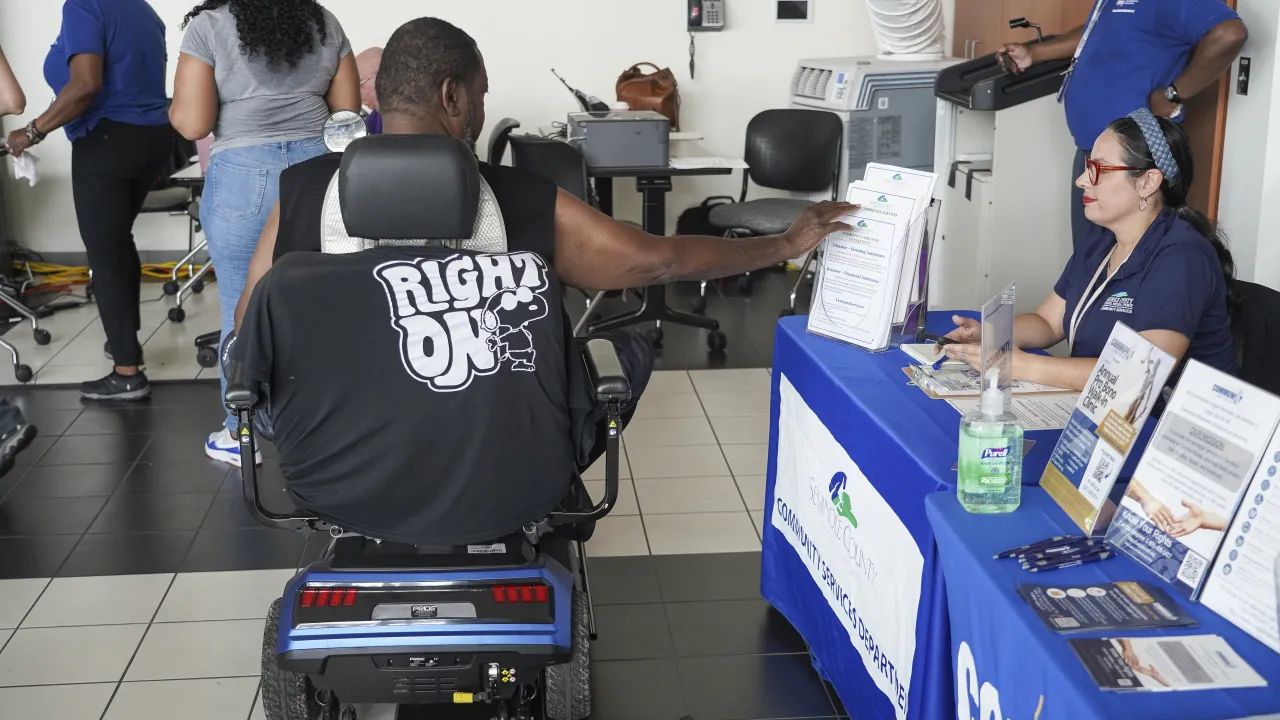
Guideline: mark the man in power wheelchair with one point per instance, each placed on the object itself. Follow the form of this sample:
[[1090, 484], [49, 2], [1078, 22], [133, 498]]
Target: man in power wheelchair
[[438, 448]]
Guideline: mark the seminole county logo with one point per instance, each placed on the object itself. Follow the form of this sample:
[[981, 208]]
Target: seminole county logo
[[882, 199], [840, 498], [897, 177], [1119, 302], [465, 315], [862, 225]]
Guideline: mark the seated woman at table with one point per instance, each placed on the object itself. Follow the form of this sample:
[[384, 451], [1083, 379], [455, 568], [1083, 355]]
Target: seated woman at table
[[1149, 260]]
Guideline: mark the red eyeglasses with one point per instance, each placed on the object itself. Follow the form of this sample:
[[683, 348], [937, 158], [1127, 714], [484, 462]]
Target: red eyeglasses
[[1096, 169]]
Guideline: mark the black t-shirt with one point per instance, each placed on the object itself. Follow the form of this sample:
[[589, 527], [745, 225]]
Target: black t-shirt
[[441, 409], [528, 205]]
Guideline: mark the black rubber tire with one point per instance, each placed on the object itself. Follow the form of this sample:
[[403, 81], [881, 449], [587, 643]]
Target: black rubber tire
[[699, 305], [207, 357], [42, 336], [576, 672], [177, 314], [198, 286], [285, 695], [655, 337], [171, 288], [23, 373], [717, 341]]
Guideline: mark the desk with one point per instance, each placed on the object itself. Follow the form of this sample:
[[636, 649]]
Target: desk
[[653, 184], [191, 176], [895, 446], [998, 642]]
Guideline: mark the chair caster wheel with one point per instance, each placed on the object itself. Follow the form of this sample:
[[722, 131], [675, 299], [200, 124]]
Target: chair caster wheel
[[198, 287], [207, 357], [787, 312], [655, 337], [177, 314], [717, 341], [700, 305], [23, 373], [171, 288], [42, 336], [744, 284], [88, 292]]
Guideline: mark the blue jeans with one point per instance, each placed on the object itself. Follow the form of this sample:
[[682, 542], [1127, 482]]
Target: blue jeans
[[241, 187]]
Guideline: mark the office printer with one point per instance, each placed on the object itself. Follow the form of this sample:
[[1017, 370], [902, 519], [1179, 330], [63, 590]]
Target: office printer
[[983, 84], [622, 138]]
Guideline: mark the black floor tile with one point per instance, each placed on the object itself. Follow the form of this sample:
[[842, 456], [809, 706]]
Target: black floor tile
[[34, 398], [128, 420], [193, 419], [722, 576], [198, 474], [623, 580], [152, 513], [178, 449], [48, 516], [731, 627], [637, 690], [753, 687], [49, 422], [28, 557], [183, 393], [69, 481], [228, 512], [243, 549], [94, 449], [35, 451], [128, 554], [631, 632]]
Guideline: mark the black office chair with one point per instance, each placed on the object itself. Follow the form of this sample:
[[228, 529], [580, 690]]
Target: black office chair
[[791, 150], [498, 139], [1257, 334]]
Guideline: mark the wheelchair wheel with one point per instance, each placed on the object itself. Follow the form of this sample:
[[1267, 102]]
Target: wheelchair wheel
[[285, 695], [575, 674]]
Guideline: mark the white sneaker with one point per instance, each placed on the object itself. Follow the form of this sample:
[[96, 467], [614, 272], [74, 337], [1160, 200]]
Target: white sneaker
[[221, 446]]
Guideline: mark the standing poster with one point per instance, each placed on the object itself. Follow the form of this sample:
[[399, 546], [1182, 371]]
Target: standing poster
[[1187, 485], [1115, 404]]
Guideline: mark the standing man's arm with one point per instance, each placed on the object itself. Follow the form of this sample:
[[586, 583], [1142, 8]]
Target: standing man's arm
[[1023, 56], [1210, 58], [12, 101]]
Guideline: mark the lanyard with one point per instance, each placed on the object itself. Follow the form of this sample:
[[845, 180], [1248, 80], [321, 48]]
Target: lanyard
[[1088, 30], [1087, 300]]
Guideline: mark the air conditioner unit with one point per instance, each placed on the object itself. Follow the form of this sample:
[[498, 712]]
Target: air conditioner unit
[[887, 107]]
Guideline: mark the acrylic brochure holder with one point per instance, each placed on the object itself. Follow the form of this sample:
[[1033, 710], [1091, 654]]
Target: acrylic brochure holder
[[908, 327]]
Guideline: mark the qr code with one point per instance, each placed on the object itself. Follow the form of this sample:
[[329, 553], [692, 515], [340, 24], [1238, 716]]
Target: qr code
[[1066, 622], [1103, 469], [1192, 569]]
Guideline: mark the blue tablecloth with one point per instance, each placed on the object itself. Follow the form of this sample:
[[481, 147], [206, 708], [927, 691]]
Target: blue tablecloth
[[1006, 656], [904, 445]]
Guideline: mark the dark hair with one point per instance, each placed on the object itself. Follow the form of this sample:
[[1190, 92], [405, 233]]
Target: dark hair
[[418, 58], [1136, 153], [282, 31]]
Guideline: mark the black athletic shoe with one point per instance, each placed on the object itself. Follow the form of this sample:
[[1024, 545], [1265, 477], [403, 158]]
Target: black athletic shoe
[[14, 443], [117, 387]]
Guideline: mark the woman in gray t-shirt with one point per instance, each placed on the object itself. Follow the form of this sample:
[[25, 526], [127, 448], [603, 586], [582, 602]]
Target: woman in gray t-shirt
[[262, 76]]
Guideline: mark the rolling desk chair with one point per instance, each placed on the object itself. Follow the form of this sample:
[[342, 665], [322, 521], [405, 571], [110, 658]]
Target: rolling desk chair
[[791, 150], [1256, 327]]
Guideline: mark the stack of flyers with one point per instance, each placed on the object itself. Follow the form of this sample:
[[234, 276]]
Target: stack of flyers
[[1104, 606]]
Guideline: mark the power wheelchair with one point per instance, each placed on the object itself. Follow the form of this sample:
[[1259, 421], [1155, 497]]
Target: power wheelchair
[[386, 624]]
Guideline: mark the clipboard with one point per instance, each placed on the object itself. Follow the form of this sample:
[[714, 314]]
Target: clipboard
[[909, 371]]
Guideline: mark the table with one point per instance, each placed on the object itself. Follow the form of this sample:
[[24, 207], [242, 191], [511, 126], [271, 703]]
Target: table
[[1006, 658], [191, 176], [653, 184], [857, 417]]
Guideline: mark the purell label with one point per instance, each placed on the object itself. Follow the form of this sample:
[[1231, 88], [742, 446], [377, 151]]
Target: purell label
[[995, 453]]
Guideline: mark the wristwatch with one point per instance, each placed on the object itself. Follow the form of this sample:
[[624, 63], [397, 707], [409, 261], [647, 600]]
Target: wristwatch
[[33, 133], [1171, 94]]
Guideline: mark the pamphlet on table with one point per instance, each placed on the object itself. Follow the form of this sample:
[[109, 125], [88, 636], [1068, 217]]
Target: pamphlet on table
[[1116, 401], [1104, 606], [1242, 586], [1185, 662], [1189, 481], [919, 186]]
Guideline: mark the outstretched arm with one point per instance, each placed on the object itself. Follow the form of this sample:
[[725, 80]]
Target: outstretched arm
[[12, 100]]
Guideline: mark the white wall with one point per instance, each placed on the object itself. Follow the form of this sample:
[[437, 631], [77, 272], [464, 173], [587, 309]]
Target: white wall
[[740, 71], [1248, 209]]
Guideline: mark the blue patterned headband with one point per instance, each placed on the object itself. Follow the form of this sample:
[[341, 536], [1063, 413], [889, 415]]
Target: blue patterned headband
[[1156, 143]]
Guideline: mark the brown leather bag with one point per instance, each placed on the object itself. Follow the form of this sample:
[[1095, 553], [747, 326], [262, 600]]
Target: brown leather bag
[[657, 91]]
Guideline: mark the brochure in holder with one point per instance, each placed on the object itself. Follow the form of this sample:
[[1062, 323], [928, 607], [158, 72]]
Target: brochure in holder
[[871, 290], [1116, 401]]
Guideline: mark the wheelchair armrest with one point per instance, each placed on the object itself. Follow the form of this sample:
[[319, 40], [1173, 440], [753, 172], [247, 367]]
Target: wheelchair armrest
[[607, 376], [241, 393]]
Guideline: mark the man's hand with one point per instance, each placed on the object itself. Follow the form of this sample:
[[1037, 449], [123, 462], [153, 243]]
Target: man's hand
[[1161, 106], [1015, 57], [815, 224], [18, 142]]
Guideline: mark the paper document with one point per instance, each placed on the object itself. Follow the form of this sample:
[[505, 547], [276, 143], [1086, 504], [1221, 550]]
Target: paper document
[[918, 186], [1104, 606], [699, 163], [928, 354], [959, 381], [1035, 412], [1185, 662]]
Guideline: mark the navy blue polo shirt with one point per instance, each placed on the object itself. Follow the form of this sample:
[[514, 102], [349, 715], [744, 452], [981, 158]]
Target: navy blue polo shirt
[[1136, 47], [129, 36], [1172, 281]]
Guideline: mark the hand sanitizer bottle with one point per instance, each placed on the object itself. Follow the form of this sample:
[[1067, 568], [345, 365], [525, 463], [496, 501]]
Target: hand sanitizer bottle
[[990, 478]]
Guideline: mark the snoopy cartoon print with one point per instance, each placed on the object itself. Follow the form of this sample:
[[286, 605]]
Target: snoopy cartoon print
[[507, 316]]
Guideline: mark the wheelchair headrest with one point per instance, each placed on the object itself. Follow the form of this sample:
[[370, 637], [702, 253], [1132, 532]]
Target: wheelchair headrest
[[409, 187]]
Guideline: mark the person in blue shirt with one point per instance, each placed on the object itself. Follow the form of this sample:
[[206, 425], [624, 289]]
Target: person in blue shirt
[[107, 68], [1131, 54], [1148, 260]]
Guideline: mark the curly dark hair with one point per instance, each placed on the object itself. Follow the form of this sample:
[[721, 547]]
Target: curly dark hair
[[280, 30]]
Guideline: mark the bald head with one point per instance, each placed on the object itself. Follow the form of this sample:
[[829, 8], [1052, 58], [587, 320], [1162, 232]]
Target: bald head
[[368, 63]]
